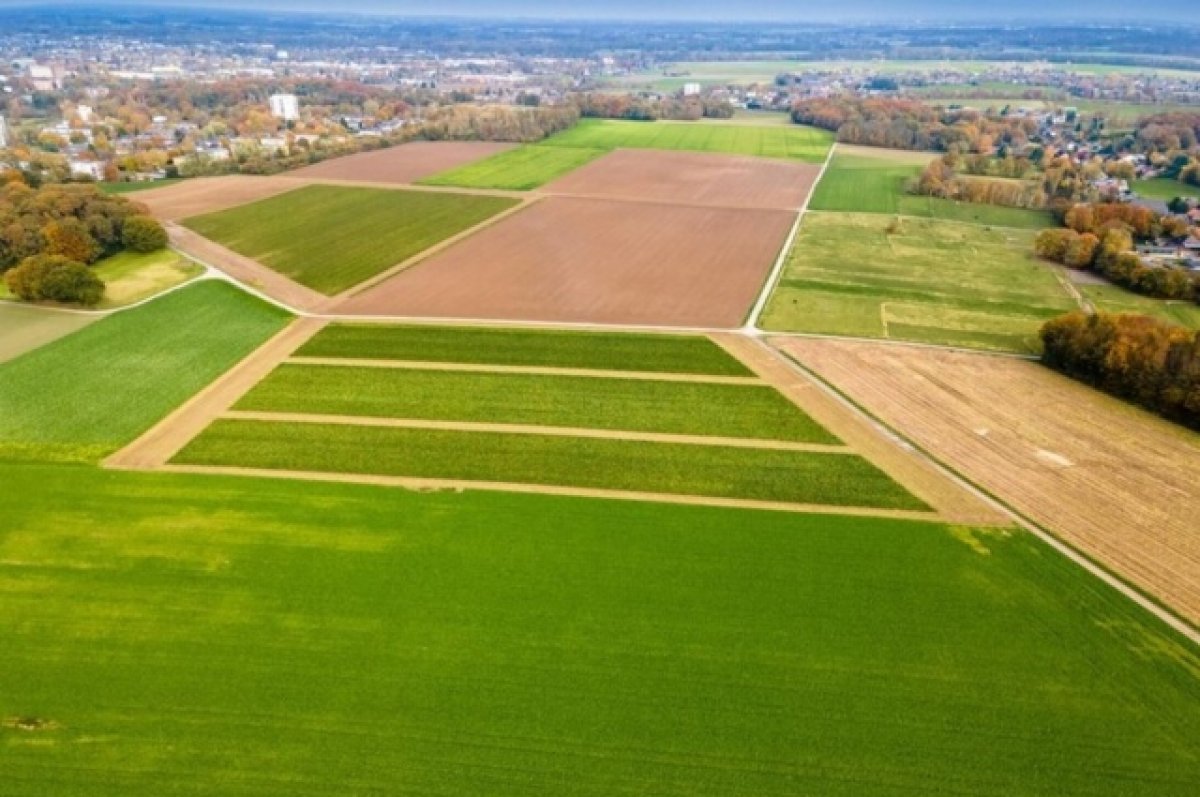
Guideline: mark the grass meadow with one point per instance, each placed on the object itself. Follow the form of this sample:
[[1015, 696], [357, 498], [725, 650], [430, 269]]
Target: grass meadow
[[87, 394], [192, 635], [517, 169], [508, 346], [925, 280], [331, 238], [132, 276], [1164, 188], [767, 141], [642, 405], [1114, 299]]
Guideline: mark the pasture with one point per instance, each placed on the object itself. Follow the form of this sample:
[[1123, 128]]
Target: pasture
[[1164, 188], [921, 280], [193, 635], [793, 142], [517, 169], [24, 328], [1114, 299], [91, 392], [132, 276], [330, 238]]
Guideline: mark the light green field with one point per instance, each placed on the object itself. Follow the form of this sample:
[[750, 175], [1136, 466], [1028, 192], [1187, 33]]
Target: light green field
[[870, 183], [636, 405], [129, 188], [130, 277], [197, 636], [24, 328], [516, 169], [331, 238], [88, 394], [684, 354], [768, 141], [1164, 188], [1113, 299], [930, 281]]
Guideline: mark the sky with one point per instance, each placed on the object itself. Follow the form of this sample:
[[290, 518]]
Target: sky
[[759, 10]]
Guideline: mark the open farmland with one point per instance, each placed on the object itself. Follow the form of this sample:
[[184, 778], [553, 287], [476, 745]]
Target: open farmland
[[1111, 480], [796, 142], [594, 261], [517, 169], [691, 178], [1109, 298], [330, 238], [921, 280], [199, 195], [402, 164], [132, 276], [670, 649], [1164, 188], [24, 328]]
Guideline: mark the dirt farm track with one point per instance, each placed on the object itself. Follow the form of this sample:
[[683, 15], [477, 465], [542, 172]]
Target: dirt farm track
[[1115, 482]]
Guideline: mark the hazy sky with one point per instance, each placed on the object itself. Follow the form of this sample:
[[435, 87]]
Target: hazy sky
[[791, 10]]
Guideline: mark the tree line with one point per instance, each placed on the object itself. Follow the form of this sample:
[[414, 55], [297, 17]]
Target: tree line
[[649, 109], [1142, 359]]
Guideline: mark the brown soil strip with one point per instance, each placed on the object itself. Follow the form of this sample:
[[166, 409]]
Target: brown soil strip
[[405, 163], [691, 178], [1115, 482], [953, 503], [531, 429], [567, 260], [167, 438], [199, 195], [534, 370], [432, 485], [247, 270]]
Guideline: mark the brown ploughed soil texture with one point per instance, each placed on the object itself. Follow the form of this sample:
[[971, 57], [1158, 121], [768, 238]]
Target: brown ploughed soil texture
[[401, 164], [691, 178], [1117, 483], [594, 261], [210, 194]]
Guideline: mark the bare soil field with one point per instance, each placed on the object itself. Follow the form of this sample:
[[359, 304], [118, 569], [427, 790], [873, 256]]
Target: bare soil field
[[199, 195], [594, 261], [1115, 482], [403, 164], [691, 178]]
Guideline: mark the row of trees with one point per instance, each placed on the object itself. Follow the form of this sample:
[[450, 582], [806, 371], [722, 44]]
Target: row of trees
[[1139, 358], [629, 106]]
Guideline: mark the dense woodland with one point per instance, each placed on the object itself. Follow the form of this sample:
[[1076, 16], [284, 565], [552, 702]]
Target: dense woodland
[[1142, 359], [1044, 180], [1172, 143]]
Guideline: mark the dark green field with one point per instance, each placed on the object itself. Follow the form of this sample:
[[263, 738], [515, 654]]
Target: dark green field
[[642, 405], [331, 238], [549, 348], [757, 474], [185, 635], [88, 394]]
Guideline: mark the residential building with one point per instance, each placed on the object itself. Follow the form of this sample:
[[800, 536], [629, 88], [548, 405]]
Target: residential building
[[285, 107], [3, 133]]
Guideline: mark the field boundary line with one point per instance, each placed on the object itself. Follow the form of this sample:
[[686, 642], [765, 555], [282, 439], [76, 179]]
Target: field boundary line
[[776, 272], [168, 437], [456, 485], [531, 370], [535, 430], [1081, 559], [432, 189]]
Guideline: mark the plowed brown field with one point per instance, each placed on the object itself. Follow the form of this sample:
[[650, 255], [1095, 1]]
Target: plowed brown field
[[595, 261], [1117, 483], [209, 194], [403, 164], [691, 178]]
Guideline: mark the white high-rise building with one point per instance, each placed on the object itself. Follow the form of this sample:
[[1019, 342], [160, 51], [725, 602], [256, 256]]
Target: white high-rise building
[[285, 107], [3, 133]]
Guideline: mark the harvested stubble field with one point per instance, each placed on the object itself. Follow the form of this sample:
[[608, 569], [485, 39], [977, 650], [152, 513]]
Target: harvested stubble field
[[201, 195], [1111, 480], [330, 238], [594, 261], [518, 169], [507, 346], [764, 141], [691, 178], [921, 280], [403, 164]]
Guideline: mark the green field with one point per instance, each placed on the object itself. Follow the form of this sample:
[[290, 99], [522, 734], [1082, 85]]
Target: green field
[[24, 328], [506, 346], [131, 276], [1164, 188], [636, 405], [929, 281], [768, 141], [1113, 299], [331, 238], [517, 169], [129, 188], [88, 394], [876, 184], [193, 636]]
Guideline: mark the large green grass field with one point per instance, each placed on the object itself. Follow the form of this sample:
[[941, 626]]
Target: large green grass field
[[683, 354], [87, 394], [331, 238], [1114, 299], [1164, 188], [517, 169], [864, 183], [189, 635], [921, 280], [795, 142], [638, 405]]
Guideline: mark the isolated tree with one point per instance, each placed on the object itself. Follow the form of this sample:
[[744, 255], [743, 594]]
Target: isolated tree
[[55, 278], [143, 234]]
